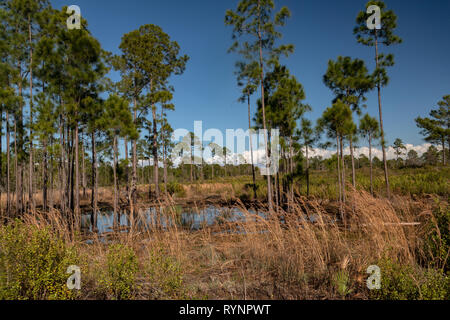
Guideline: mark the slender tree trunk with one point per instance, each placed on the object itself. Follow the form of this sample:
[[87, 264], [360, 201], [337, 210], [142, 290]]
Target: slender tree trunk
[[251, 147], [150, 180], [77, 176], [165, 168], [339, 169], [448, 137], [291, 166], [45, 173], [263, 103], [353, 162], [142, 175], [70, 178], [201, 169], [225, 164], [383, 141], [70, 174], [444, 159], [51, 200], [134, 173], [307, 170], [276, 185], [155, 152], [115, 223], [192, 160], [83, 167], [343, 170], [8, 166], [127, 172], [31, 164], [18, 146], [62, 167], [94, 193], [371, 164]]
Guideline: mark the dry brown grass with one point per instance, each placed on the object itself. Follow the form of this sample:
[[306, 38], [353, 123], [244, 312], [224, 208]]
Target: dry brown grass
[[281, 257]]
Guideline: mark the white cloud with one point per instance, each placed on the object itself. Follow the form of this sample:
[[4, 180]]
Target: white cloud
[[259, 155], [376, 152]]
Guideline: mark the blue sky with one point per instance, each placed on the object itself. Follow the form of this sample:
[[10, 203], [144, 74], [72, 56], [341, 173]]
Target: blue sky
[[320, 30]]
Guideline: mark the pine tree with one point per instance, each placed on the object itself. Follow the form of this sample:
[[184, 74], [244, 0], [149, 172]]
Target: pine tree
[[336, 121], [15, 26], [117, 121], [349, 80], [284, 107], [375, 38], [436, 129], [167, 146], [248, 78], [413, 158], [369, 128], [255, 19], [308, 137], [399, 148], [148, 59], [216, 151]]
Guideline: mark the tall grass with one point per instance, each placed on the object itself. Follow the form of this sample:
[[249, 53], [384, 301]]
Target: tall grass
[[281, 256]]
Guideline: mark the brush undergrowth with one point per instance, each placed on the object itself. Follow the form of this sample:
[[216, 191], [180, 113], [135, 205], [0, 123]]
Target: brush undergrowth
[[281, 256]]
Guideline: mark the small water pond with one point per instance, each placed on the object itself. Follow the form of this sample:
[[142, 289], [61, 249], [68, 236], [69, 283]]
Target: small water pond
[[188, 218], [193, 219]]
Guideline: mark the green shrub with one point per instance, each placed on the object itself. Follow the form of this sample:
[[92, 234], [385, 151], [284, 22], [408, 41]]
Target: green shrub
[[33, 264], [341, 281], [403, 282], [119, 278], [164, 275], [174, 188]]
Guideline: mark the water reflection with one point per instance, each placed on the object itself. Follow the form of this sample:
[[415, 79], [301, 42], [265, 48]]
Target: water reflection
[[193, 219], [189, 218]]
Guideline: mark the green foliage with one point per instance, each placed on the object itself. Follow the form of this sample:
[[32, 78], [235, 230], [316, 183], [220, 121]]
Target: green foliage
[[418, 181], [399, 147], [341, 281], [174, 188], [255, 20], [404, 282], [118, 280], [436, 128], [431, 182], [375, 37], [33, 264], [164, 275], [349, 80], [336, 120], [283, 101], [388, 25], [369, 127]]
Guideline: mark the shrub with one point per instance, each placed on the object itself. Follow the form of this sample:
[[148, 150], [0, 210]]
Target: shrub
[[33, 264], [164, 274], [119, 278], [341, 281], [174, 188], [403, 282]]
